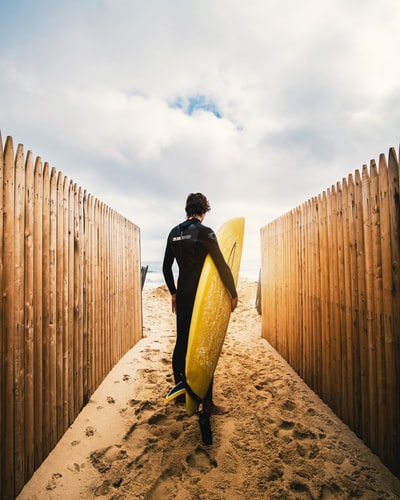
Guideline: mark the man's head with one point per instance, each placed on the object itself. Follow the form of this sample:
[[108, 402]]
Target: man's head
[[196, 204]]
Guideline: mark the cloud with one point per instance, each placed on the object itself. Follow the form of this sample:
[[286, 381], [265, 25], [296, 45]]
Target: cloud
[[259, 105]]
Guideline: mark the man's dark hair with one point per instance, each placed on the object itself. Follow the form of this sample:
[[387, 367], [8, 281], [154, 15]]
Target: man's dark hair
[[196, 204]]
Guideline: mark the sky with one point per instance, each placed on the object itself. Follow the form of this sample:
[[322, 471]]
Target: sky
[[260, 105]]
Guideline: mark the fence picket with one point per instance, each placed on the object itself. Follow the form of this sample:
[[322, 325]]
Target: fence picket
[[46, 356], [361, 307], [70, 301], [347, 325], [334, 300], [315, 333], [85, 293], [341, 303], [65, 309], [52, 348], [59, 306], [38, 312], [29, 320], [370, 345], [392, 336], [386, 405], [324, 277], [355, 312], [377, 305], [8, 308], [2, 312], [303, 347], [79, 246], [19, 320]]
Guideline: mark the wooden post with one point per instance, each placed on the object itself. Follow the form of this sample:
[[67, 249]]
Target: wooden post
[[38, 311], [71, 280], [85, 296], [65, 304], [370, 347], [29, 451], [348, 333], [47, 423], [305, 316], [377, 306], [392, 338], [324, 287], [355, 312], [76, 303], [19, 320], [342, 393], [96, 289], [361, 309], [310, 293], [59, 309], [316, 299], [8, 405], [81, 336], [2, 325], [51, 325], [386, 373], [90, 272]]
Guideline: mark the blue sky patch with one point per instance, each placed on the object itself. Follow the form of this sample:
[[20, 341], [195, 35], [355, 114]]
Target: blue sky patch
[[196, 103]]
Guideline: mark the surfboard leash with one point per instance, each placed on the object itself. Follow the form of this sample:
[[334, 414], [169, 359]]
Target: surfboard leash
[[189, 390]]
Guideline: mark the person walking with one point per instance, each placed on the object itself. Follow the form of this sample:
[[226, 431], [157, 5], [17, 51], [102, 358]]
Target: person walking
[[188, 244]]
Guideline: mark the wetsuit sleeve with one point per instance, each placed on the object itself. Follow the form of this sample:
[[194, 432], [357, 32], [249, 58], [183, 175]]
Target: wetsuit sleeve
[[210, 242], [167, 268]]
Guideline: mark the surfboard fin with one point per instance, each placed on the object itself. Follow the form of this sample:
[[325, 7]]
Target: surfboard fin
[[175, 392]]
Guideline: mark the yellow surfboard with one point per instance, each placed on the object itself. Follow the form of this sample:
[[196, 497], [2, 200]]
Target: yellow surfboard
[[210, 317]]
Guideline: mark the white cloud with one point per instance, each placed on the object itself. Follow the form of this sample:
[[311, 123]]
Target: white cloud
[[291, 97]]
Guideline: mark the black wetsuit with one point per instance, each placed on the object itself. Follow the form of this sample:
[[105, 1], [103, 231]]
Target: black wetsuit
[[189, 243]]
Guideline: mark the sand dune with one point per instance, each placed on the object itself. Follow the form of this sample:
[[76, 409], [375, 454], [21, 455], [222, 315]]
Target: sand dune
[[277, 440]]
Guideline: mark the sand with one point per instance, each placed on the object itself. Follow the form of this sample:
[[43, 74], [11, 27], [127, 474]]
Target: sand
[[277, 439]]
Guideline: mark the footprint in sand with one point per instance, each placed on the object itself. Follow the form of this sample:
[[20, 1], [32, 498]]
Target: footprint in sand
[[163, 424], [299, 441], [289, 405], [54, 481], [104, 458], [166, 485], [74, 467], [142, 406], [157, 419], [150, 376], [300, 490], [201, 460], [300, 433]]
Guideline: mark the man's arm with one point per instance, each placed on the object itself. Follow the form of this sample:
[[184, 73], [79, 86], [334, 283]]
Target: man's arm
[[211, 243], [168, 273]]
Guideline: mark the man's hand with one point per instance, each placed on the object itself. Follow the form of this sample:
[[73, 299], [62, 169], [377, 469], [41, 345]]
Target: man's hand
[[173, 302], [234, 303]]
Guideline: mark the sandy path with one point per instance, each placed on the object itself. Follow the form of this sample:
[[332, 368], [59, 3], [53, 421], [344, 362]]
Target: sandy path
[[277, 439]]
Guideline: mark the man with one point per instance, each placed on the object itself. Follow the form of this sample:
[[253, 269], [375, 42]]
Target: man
[[189, 243]]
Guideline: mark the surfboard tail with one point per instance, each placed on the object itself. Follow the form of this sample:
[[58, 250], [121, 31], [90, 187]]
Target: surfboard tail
[[175, 392]]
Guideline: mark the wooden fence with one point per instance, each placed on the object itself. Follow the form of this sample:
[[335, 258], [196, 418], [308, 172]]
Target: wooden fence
[[70, 281], [330, 292]]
